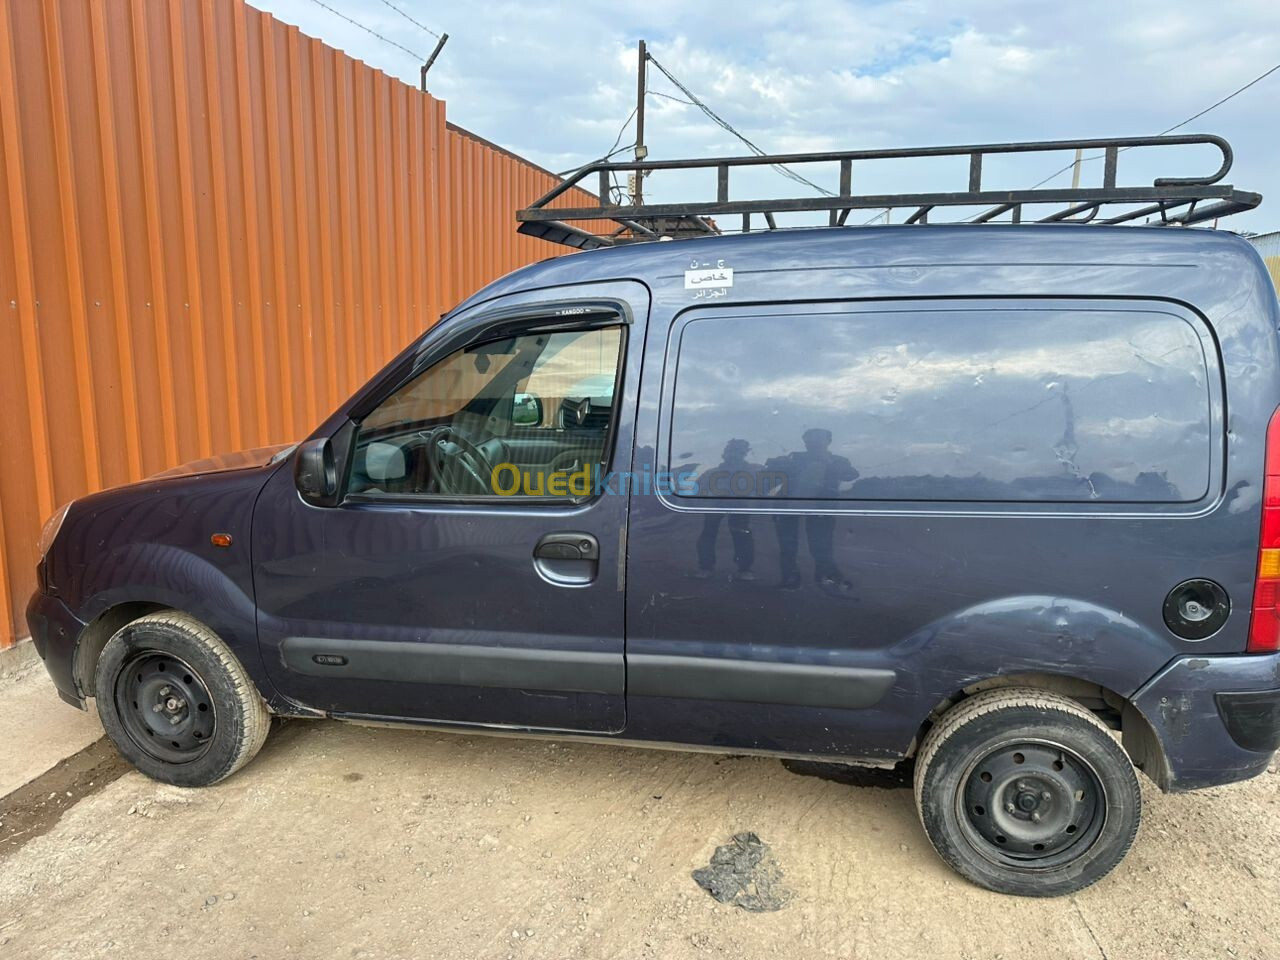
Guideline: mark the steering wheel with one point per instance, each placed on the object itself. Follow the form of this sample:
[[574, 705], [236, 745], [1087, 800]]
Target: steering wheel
[[463, 471]]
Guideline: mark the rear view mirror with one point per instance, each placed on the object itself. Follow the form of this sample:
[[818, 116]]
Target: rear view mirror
[[314, 472], [526, 410]]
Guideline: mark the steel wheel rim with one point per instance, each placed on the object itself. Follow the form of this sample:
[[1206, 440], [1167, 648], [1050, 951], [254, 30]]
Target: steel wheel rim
[[165, 707], [1038, 812]]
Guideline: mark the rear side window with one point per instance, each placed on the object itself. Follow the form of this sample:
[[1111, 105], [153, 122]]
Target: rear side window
[[1002, 404]]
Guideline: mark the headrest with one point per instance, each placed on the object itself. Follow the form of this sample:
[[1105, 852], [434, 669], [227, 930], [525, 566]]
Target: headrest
[[383, 462]]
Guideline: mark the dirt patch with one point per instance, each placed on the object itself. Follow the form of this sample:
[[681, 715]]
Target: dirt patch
[[743, 872], [34, 809]]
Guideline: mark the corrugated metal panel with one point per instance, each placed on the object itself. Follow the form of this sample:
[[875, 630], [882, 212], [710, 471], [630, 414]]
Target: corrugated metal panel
[[213, 228], [1268, 245]]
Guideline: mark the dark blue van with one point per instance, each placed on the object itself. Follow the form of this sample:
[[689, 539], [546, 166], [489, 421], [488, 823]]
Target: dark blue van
[[1003, 501]]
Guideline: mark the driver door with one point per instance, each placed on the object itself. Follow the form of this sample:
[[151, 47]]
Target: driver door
[[472, 568]]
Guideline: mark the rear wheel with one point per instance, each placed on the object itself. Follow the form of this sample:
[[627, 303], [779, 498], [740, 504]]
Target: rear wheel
[[1026, 792], [177, 703]]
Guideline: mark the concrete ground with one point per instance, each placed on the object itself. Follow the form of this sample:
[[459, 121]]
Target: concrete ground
[[342, 841], [36, 728]]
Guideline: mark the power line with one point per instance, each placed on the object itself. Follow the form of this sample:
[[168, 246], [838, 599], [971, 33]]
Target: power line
[[607, 156], [618, 139], [356, 23], [667, 96], [410, 19], [1261, 76], [613, 151], [1195, 116], [618, 192], [720, 121]]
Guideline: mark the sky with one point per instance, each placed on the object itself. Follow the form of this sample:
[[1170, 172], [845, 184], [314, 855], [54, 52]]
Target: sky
[[555, 82]]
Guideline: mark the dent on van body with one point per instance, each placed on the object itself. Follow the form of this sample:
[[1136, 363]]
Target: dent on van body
[[1031, 634]]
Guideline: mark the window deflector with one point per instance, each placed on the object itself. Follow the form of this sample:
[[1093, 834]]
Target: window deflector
[[495, 324]]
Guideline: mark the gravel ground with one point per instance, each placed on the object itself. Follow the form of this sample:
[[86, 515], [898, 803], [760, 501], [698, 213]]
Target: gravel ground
[[342, 841]]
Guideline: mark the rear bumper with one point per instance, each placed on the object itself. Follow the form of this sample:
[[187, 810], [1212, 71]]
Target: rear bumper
[[55, 631], [1217, 718]]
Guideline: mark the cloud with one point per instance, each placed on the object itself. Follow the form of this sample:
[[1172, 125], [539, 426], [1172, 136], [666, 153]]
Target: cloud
[[555, 82]]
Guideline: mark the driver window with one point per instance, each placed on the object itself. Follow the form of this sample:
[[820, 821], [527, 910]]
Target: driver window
[[526, 416]]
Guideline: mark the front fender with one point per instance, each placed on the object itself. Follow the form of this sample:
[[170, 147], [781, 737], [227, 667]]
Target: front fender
[[151, 543], [174, 577]]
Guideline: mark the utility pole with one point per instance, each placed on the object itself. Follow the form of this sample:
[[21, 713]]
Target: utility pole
[[637, 192]]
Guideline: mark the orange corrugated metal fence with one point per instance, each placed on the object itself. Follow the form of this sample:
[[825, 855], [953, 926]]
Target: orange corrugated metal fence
[[212, 229], [1268, 245]]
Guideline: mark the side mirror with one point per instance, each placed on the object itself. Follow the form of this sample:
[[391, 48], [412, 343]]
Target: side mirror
[[526, 410], [315, 473]]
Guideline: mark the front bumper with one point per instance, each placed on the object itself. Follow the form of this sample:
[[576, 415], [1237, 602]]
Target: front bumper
[[1217, 718], [55, 631]]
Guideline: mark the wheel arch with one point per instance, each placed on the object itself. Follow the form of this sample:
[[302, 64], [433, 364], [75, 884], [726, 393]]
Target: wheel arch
[[97, 632], [1138, 737]]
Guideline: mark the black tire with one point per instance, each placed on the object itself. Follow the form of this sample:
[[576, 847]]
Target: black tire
[[177, 703], [1026, 792]]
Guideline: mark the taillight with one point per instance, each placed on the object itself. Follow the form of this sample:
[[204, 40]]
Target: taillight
[[1264, 627]]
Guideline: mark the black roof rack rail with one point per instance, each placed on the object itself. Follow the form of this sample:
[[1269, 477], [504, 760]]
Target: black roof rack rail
[[1175, 200]]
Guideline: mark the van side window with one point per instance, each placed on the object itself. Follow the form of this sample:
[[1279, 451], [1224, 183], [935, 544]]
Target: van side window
[[526, 416], [962, 404]]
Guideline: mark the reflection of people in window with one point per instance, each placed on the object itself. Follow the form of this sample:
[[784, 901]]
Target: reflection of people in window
[[814, 473], [735, 476]]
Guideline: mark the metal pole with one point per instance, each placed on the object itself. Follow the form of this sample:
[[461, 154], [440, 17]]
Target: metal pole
[[641, 150], [432, 59]]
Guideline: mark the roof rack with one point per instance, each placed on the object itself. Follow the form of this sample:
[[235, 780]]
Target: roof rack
[[1204, 198]]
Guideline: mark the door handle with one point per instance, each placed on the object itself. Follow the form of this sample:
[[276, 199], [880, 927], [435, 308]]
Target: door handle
[[567, 559], [567, 546]]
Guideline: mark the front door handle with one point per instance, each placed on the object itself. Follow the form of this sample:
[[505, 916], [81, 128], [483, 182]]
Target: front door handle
[[567, 559]]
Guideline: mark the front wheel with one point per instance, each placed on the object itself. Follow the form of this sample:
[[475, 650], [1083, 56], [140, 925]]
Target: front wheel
[[177, 703], [1026, 792]]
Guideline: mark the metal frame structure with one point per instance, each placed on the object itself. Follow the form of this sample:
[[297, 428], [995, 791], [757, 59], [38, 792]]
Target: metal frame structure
[[1204, 198]]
